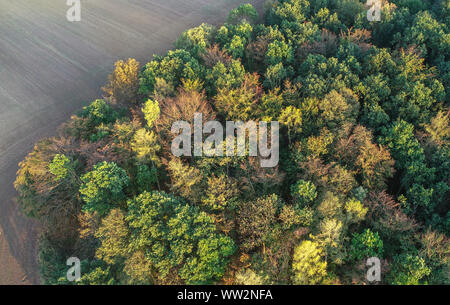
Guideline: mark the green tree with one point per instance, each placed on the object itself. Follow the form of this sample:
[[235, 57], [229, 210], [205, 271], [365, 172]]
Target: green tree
[[103, 187], [276, 74], [408, 269], [366, 244], [196, 40], [96, 114], [304, 192], [236, 47], [409, 154], [61, 167], [177, 237], [244, 12], [172, 68], [279, 52], [146, 177], [98, 276]]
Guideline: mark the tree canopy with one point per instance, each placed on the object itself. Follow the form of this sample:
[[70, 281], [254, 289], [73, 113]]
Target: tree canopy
[[364, 152]]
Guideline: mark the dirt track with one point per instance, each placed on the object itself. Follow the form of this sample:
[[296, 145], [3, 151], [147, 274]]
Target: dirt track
[[49, 68]]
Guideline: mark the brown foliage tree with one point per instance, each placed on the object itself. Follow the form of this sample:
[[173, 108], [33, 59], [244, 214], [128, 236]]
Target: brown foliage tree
[[214, 55], [181, 108], [386, 216]]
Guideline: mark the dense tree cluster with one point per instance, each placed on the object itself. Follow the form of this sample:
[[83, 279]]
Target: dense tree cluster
[[364, 155]]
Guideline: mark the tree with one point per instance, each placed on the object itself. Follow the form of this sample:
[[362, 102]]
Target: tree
[[255, 220], [279, 52], [181, 108], [47, 182], [243, 13], [214, 55], [139, 269], [146, 177], [98, 276], [376, 165], [406, 149], [177, 237], [331, 238], [151, 112], [248, 277], [113, 235], [288, 11], [187, 180], [435, 249], [240, 103], [213, 253], [348, 10], [439, 128], [330, 206], [52, 266], [62, 168], [224, 75], [276, 74], [220, 194], [123, 85], [236, 47], [291, 117], [304, 192], [256, 53], [98, 113], [271, 105], [429, 34], [366, 244], [145, 145], [319, 145], [387, 218], [170, 69], [408, 269], [337, 108], [290, 217], [309, 265], [103, 187], [356, 211], [196, 40]]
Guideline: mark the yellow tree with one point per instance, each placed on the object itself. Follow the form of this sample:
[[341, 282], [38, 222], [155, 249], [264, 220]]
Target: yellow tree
[[113, 235], [309, 264], [145, 145], [439, 127], [123, 83], [151, 112]]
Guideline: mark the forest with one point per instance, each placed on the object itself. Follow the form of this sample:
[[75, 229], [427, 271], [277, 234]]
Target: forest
[[364, 169]]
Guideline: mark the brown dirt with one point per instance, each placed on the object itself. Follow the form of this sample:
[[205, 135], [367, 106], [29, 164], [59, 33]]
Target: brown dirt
[[50, 67]]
